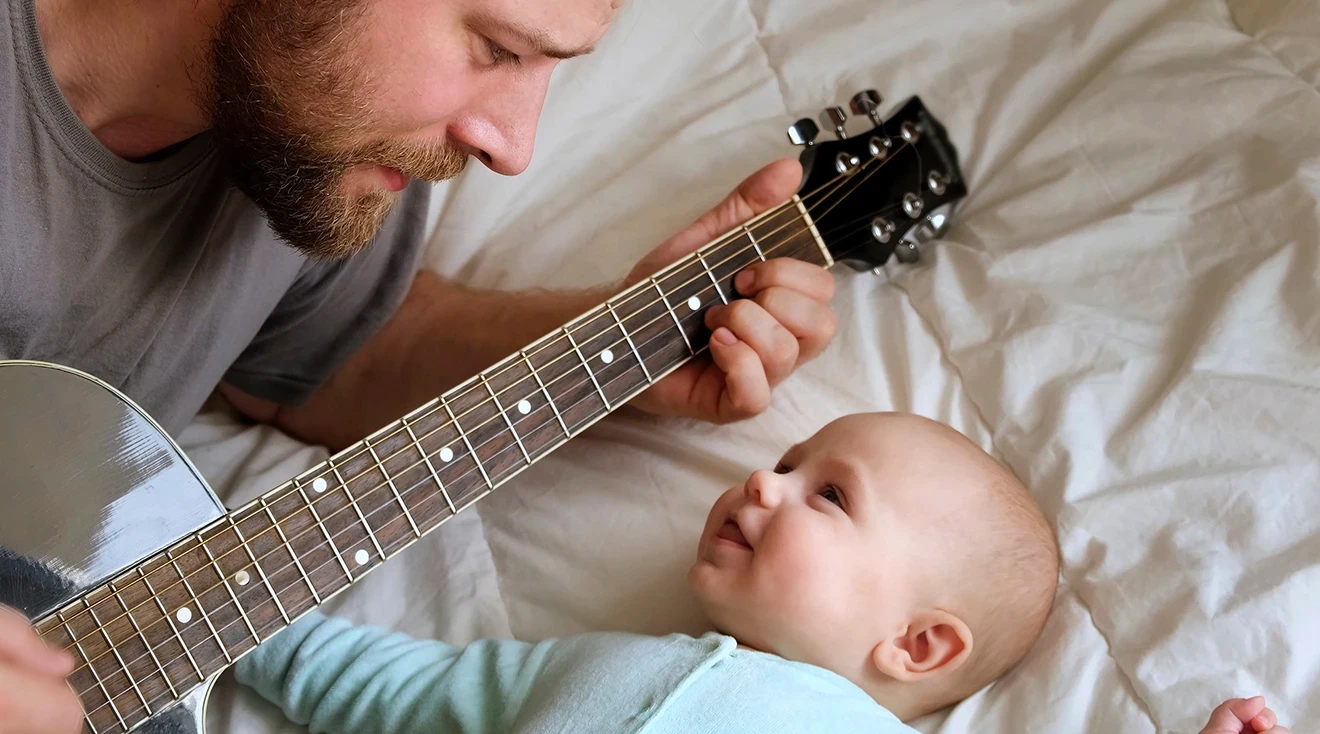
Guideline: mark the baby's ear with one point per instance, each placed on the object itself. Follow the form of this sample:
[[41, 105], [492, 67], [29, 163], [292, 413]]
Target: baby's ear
[[934, 642]]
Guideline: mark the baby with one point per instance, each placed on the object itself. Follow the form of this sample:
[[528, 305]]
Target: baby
[[887, 567]]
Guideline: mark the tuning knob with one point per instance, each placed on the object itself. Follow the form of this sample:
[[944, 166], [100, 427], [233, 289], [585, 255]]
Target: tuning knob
[[803, 132], [867, 102], [835, 117]]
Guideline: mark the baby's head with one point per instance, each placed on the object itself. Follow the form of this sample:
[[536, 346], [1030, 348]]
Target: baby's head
[[889, 549]]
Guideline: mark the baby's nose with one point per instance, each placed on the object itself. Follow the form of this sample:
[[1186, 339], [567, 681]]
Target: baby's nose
[[762, 488]]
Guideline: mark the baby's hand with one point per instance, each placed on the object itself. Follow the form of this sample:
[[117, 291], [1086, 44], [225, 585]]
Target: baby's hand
[[1243, 716]]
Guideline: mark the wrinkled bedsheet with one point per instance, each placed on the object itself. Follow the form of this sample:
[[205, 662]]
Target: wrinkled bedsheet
[[1126, 312]]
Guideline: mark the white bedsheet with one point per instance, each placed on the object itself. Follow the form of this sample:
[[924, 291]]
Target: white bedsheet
[[1126, 312]]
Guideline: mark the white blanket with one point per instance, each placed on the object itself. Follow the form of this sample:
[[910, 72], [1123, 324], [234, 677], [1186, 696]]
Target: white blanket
[[1126, 312]]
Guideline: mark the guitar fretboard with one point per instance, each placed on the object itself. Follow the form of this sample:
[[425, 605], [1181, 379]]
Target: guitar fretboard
[[148, 637]]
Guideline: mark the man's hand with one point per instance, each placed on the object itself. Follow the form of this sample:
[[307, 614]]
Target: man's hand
[[1243, 716], [34, 697], [757, 341]]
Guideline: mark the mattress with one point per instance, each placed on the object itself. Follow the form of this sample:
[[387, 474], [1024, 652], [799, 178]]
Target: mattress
[[1125, 312]]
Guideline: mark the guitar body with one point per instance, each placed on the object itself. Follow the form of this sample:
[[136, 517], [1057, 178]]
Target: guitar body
[[92, 486]]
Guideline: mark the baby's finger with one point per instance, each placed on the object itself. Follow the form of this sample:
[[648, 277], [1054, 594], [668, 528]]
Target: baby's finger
[[1264, 721]]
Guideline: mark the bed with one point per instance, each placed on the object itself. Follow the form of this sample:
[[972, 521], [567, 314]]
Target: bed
[[1126, 312]]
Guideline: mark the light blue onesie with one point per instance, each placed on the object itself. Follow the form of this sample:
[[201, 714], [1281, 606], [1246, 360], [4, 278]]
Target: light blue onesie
[[336, 677]]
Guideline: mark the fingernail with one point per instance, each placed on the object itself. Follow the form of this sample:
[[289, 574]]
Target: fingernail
[[744, 281], [724, 336]]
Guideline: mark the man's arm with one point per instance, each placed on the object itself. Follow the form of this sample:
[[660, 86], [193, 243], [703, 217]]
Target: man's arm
[[444, 333]]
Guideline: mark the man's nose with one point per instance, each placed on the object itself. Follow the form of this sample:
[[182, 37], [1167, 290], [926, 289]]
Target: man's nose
[[764, 488], [499, 129]]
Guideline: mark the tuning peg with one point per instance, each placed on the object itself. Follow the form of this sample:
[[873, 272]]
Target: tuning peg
[[835, 117], [867, 102], [803, 132]]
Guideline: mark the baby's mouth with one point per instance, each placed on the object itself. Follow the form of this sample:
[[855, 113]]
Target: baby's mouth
[[731, 532]]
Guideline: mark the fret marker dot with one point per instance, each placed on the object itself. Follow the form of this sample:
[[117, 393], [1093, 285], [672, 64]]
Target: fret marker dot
[[319, 484], [183, 615], [524, 407], [446, 454], [694, 303], [242, 578], [607, 356], [360, 557]]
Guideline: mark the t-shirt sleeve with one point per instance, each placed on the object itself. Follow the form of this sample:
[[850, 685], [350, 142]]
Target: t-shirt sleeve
[[335, 677], [333, 308]]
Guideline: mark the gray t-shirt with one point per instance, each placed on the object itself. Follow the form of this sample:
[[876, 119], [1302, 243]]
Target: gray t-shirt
[[159, 277]]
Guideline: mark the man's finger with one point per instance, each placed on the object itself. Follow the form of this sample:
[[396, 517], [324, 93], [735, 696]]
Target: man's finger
[[37, 704], [768, 187], [1264, 721], [811, 280], [746, 392], [21, 646], [751, 324]]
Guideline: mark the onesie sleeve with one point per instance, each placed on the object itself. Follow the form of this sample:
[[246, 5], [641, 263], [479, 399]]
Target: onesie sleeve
[[333, 676]]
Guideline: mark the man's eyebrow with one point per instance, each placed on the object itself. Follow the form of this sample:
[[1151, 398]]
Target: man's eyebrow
[[533, 38]]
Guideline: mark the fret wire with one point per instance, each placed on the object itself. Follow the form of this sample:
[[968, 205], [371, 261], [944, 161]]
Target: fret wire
[[105, 634], [752, 238], [243, 542], [718, 290], [549, 400], [317, 517], [811, 225], [101, 684], [224, 580], [201, 608], [145, 642], [587, 367], [626, 336], [499, 407], [398, 497], [471, 451], [170, 621], [674, 316], [434, 475], [292, 553], [357, 509]]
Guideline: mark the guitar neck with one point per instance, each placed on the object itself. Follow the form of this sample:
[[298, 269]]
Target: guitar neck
[[163, 628]]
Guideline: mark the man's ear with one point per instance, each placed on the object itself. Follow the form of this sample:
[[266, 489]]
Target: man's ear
[[933, 642]]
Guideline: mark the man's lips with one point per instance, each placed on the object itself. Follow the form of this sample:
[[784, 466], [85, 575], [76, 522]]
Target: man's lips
[[730, 532]]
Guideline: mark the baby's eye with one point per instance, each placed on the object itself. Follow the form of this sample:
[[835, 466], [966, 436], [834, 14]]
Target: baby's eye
[[832, 494], [781, 469]]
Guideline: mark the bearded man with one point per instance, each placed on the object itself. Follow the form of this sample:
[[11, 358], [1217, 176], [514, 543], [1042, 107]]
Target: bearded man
[[231, 194]]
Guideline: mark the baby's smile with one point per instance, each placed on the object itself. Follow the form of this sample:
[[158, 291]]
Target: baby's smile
[[729, 532]]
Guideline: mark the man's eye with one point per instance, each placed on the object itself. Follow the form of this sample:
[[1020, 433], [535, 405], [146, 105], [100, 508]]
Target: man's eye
[[832, 494], [500, 54]]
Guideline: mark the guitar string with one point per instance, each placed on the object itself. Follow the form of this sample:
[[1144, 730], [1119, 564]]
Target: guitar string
[[270, 600], [267, 600], [239, 619], [730, 237], [353, 502], [370, 491], [408, 490]]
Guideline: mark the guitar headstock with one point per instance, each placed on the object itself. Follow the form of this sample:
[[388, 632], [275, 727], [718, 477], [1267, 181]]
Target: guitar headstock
[[883, 192]]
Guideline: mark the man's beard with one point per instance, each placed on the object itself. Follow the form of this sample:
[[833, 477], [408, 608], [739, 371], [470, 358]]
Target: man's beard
[[288, 112]]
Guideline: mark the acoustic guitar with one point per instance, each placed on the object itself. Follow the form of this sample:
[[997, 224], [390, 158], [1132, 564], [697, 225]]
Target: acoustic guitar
[[113, 543]]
